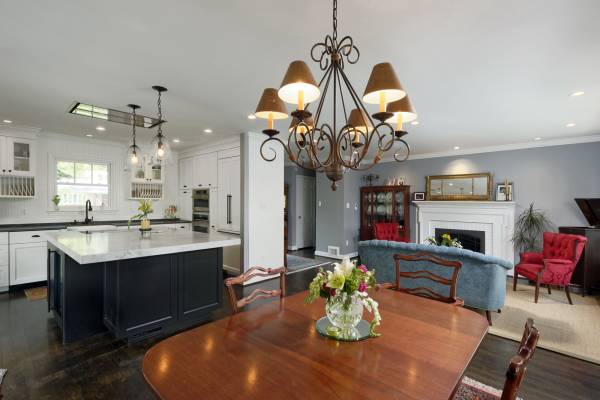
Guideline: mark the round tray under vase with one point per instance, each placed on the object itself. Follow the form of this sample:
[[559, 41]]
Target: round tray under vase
[[361, 332]]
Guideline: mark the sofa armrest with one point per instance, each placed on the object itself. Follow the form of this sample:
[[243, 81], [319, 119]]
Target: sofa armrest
[[532, 258], [557, 261]]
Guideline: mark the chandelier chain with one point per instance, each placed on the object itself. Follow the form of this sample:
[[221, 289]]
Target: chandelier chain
[[159, 103], [133, 118], [334, 21]]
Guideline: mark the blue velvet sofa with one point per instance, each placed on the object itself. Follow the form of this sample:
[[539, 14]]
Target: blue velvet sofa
[[481, 280]]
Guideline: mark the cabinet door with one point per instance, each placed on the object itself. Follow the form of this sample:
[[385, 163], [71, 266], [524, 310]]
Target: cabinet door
[[21, 157], [3, 265], [3, 155], [199, 172], [185, 173], [211, 170], [236, 194], [185, 204], [200, 282], [28, 262], [229, 194]]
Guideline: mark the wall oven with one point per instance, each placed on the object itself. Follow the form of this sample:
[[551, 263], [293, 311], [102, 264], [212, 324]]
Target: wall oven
[[201, 210]]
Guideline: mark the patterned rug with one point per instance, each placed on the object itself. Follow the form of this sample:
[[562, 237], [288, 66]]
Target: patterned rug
[[297, 263], [38, 293], [470, 389]]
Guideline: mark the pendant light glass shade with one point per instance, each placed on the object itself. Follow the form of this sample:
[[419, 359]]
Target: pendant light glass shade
[[270, 106], [403, 107], [298, 85], [360, 121], [383, 85]]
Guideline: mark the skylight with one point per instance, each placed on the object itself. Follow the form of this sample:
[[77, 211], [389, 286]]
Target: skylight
[[107, 114]]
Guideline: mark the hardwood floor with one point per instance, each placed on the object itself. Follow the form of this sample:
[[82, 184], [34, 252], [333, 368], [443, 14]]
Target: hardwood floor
[[40, 367]]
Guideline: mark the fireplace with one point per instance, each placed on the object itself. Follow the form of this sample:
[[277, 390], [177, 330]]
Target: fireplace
[[470, 240]]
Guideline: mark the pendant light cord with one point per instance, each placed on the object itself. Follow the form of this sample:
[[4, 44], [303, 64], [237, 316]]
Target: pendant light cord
[[159, 103], [133, 127]]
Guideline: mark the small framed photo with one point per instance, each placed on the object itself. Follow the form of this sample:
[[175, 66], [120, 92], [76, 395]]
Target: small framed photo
[[418, 196], [504, 192]]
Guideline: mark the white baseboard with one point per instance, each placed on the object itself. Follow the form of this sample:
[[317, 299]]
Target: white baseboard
[[233, 270], [340, 257], [292, 248]]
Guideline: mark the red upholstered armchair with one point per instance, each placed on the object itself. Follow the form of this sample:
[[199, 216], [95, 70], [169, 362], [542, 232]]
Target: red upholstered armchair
[[554, 265], [388, 231]]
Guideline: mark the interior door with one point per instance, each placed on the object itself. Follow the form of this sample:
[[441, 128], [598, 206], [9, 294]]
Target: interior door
[[305, 211]]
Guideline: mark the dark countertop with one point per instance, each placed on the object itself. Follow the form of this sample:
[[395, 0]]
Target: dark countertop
[[48, 226]]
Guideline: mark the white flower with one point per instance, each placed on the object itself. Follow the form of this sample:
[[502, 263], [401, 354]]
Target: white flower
[[345, 267]]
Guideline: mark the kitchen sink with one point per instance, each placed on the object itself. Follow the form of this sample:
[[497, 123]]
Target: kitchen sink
[[92, 228]]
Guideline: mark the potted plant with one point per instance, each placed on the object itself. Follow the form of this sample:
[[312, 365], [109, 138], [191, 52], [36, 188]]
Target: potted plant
[[56, 201], [529, 229], [345, 292], [145, 208]]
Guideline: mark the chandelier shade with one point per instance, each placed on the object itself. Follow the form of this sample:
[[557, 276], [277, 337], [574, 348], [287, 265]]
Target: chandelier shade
[[360, 121], [383, 85], [309, 122], [270, 106], [403, 111], [298, 85]]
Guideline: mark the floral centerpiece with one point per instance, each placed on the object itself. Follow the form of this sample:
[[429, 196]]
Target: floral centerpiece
[[446, 240], [345, 292], [145, 208]]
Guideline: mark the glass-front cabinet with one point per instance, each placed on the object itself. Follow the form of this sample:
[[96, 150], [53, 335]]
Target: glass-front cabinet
[[149, 169], [16, 156], [384, 204]]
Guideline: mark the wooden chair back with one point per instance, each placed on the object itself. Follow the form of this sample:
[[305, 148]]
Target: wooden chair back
[[425, 274], [518, 364], [256, 294]]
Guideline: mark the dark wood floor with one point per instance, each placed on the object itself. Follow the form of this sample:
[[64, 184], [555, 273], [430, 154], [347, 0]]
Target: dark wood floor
[[40, 367]]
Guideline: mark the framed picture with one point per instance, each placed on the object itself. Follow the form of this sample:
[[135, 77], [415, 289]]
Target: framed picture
[[460, 187], [504, 192], [418, 196]]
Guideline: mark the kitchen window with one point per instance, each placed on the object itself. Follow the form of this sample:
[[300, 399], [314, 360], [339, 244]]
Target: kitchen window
[[78, 181]]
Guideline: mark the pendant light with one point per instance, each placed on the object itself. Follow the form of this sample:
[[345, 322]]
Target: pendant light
[[133, 152], [159, 142]]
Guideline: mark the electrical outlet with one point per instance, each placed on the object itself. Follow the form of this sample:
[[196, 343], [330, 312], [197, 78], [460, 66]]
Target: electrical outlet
[[355, 206]]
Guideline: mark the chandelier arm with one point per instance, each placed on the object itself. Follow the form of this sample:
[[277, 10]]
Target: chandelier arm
[[407, 151], [383, 136], [274, 139], [323, 95], [342, 98], [325, 137]]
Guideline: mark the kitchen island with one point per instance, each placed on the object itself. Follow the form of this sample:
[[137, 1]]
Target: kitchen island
[[135, 287]]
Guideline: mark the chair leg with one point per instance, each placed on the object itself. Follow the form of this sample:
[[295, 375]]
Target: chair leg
[[488, 314], [537, 289], [515, 281], [549, 291], [568, 294]]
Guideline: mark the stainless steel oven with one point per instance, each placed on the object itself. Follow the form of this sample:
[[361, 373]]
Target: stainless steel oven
[[201, 210]]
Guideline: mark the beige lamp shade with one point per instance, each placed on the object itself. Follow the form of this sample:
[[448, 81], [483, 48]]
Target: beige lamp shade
[[383, 80], [404, 107], [360, 121], [310, 121], [270, 106], [298, 82]]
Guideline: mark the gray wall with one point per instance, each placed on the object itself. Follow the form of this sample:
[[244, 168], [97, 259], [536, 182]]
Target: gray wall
[[548, 176], [289, 177]]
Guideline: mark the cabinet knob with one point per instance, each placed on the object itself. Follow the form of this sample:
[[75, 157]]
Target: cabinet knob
[[36, 236]]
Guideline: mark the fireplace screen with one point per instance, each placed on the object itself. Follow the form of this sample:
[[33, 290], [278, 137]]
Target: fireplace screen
[[470, 240]]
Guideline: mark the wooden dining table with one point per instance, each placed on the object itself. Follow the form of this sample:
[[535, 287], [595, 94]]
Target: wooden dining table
[[275, 352]]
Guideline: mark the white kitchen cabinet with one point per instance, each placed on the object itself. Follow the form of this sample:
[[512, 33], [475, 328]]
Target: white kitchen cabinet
[[185, 204], [28, 262], [16, 156], [229, 194], [186, 168], [148, 170], [204, 171], [4, 267]]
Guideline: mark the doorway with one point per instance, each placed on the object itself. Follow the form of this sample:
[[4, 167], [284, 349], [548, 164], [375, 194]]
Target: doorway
[[305, 211]]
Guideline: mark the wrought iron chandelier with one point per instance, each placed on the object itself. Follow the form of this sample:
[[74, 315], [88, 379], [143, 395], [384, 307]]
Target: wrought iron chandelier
[[337, 147]]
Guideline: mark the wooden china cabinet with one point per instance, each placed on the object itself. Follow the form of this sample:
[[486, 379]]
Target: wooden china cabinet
[[384, 204]]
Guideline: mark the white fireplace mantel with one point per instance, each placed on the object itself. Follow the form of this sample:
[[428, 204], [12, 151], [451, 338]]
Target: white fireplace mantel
[[495, 218]]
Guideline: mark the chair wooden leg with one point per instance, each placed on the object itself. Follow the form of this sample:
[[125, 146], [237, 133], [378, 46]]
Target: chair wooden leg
[[568, 294], [488, 314], [537, 289], [515, 281], [549, 291]]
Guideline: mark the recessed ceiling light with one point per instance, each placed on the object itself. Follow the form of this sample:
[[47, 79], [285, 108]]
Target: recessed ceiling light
[[100, 128], [7, 121], [537, 139], [456, 147], [89, 135], [251, 116], [176, 140], [415, 123], [208, 130], [570, 124], [577, 94]]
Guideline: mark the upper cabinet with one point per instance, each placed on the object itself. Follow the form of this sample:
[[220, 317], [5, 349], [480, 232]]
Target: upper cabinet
[[16, 156], [186, 168], [204, 171], [148, 170]]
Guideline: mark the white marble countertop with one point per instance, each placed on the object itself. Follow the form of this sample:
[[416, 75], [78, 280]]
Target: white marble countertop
[[118, 245]]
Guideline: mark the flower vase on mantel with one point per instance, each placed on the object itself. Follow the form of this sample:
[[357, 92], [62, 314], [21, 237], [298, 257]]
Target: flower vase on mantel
[[345, 292]]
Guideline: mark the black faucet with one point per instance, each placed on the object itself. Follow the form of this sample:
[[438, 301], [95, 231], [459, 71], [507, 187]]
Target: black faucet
[[88, 207]]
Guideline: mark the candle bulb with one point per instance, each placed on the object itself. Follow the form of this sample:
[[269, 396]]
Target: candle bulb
[[382, 101], [399, 122], [301, 100], [270, 120], [356, 136]]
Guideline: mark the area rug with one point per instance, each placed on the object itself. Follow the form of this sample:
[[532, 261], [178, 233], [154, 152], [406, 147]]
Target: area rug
[[564, 328], [297, 263], [38, 293], [470, 389]]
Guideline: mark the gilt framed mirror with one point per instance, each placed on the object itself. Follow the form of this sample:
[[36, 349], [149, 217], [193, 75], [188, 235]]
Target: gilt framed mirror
[[475, 187]]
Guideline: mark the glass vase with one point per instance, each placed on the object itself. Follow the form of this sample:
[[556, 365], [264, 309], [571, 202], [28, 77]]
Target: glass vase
[[344, 312]]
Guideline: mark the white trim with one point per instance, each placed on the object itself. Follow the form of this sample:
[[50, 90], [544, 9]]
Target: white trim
[[221, 145], [292, 248], [340, 257], [502, 147]]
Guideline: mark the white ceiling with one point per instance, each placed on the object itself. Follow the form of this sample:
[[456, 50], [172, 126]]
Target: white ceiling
[[479, 72]]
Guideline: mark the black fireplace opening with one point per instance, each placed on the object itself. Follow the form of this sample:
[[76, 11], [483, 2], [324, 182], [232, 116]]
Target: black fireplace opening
[[470, 240]]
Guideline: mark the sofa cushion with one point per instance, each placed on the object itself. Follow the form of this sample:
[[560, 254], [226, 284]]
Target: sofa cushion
[[529, 271]]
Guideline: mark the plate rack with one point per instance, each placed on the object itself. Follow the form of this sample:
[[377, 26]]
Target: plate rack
[[17, 187], [142, 190]]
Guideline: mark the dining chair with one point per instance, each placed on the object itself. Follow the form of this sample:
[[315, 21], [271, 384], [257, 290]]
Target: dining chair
[[469, 389], [425, 276], [256, 294]]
